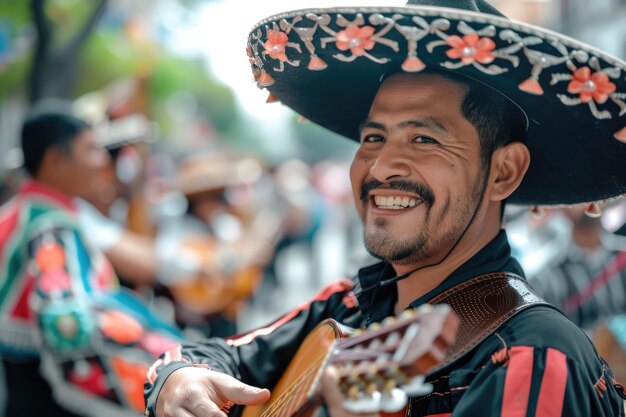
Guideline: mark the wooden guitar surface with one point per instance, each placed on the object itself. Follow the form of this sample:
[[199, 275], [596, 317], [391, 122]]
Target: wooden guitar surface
[[293, 389], [377, 367]]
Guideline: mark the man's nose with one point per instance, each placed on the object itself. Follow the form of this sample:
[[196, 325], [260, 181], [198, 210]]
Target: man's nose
[[392, 161]]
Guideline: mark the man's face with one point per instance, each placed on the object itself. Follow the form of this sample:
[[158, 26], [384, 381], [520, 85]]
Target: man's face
[[417, 175], [83, 165]]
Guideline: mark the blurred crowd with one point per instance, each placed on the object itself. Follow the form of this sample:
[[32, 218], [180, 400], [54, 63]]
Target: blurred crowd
[[114, 246]]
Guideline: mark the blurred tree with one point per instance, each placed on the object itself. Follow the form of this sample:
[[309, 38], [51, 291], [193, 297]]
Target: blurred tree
[[55, 65], [64, 53]]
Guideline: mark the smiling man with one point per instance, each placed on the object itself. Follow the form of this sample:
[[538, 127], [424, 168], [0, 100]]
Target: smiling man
[[457, 110]]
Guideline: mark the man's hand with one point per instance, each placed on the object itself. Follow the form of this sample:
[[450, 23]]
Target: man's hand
[[201, 392]]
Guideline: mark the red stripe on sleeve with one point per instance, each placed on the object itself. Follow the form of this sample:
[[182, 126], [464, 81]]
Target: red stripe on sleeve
[[552, 393], [517, 381], [334, 288]]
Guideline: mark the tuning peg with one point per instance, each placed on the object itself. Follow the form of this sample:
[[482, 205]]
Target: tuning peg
[[392, 339], [407, 314], [417, 387], [353, 392], [424, 308], [364, 403], [389, 320], [393, 401], [395, 376], [375, 344], [374, 326], [355, 378], [371, 388]]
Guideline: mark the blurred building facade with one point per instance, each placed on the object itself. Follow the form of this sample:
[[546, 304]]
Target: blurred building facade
[[600, 23]]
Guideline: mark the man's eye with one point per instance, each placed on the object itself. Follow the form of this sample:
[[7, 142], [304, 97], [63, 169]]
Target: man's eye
[[372, 139], [424, 139]]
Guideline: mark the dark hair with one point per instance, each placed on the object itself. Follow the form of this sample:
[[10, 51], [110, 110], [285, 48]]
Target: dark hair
[[41, 131], [497, 120]]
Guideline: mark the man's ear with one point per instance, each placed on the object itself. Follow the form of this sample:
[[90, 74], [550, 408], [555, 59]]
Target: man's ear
[[53, 158], [508, 166]]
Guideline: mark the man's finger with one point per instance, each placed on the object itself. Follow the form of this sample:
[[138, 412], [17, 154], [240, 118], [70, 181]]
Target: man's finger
[[240, 393]]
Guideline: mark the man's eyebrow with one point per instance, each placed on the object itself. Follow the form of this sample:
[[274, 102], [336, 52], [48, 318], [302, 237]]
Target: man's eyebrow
[[427, 122], [371, 124]]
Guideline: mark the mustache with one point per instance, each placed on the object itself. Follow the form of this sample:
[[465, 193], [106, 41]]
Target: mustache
[[420, 189]]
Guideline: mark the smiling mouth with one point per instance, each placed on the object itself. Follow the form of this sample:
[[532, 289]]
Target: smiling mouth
[[395, 202]]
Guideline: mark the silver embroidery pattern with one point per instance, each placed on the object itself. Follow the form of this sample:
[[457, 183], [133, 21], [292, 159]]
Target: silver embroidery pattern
[[496, 47]]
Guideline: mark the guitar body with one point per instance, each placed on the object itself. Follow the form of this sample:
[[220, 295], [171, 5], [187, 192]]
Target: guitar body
[[378, 367], [297, 383]]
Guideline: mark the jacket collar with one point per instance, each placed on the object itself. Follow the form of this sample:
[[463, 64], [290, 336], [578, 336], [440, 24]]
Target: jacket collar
[[493, 257]]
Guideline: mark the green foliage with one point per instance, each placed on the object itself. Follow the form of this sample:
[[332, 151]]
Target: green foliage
[[14, 78], [14, 15], [107, 56], [175, 74], [18, 11]]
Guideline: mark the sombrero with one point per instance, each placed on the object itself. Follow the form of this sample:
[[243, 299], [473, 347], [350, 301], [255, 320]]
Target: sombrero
[[326, 64], [202, 173]]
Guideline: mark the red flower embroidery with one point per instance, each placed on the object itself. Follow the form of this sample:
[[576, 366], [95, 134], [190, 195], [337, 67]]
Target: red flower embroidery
[[50, 257], [275, 45], [356, 39], [471, 48], [55, 281], [590, 86]]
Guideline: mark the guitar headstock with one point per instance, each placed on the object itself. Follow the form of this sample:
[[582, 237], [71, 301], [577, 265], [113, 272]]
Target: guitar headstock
[[379, 366]]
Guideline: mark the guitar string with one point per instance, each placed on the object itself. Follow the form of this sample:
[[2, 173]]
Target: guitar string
[[273, 410], [278, 407]]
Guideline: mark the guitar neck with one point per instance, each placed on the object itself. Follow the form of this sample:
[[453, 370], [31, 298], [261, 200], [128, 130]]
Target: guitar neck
[[378, 368]]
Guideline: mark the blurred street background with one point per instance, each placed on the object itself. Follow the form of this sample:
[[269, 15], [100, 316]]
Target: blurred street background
[[169, 83]]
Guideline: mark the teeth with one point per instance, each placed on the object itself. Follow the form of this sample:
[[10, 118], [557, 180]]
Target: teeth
[[395, 203]]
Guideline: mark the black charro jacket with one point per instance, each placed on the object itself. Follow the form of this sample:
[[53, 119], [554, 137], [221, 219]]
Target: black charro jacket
[[536, 364]]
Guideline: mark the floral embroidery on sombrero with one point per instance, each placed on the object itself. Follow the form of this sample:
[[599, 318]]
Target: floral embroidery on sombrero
[[359, 38], [276, 47], [486, 46], [276, 44], [592, 85], [356, 39], [475, 47], [471, 48]]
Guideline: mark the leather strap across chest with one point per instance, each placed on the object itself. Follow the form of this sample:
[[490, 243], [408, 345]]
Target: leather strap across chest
[[483, 304]]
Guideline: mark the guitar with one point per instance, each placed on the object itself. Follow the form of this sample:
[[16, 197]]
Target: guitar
[[208, 294], [378, 367], [214, 292]]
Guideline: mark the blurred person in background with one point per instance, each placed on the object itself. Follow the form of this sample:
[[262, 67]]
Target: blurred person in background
[[456, 110], [71, 341], [232, 225], [587, 280], [119, 217], [303, 214]]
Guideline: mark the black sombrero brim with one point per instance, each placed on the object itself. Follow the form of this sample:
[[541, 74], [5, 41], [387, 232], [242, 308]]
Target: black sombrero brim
[[326, 64]]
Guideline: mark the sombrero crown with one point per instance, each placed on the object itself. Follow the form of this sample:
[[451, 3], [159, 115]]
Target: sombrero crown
[[326, 64]]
